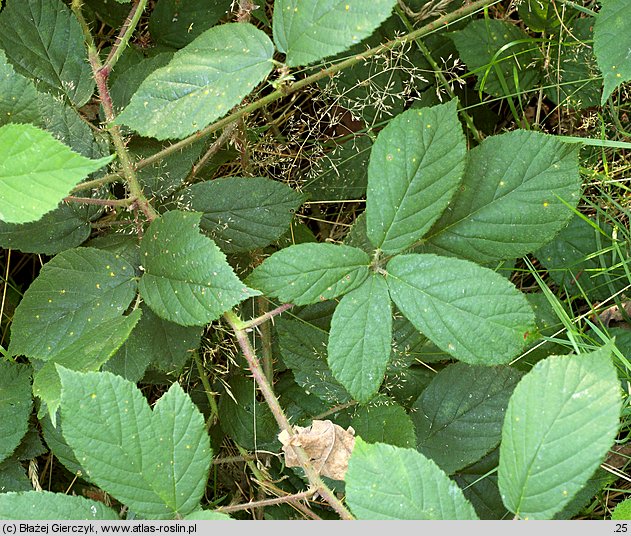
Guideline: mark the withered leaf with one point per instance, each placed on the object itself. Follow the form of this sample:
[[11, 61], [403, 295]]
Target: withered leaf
[[328, 446]]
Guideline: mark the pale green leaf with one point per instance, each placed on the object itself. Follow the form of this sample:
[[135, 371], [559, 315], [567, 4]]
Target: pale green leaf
[[44, 41], [384, 424], [37, 172], [468, 311], [415, 166], [73, 294], [513, 199], [238, 222], [85, 354], [386, 482], [202, 82], [360, 338], [309, 30], [612, 42], [15, 405], [309, 273], [622, 511], [303, 349], [187, 279], [459, 416], [560, 422], [175, 23], [18, 96], [45, 505], [503, 56], [156, 462], [201, 515]]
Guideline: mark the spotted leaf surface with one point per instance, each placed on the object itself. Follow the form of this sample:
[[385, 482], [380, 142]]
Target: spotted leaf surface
[[74, 293], [202, 82], [187, 279]]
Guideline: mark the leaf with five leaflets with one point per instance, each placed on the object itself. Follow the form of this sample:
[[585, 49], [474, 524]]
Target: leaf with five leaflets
[[201, 83], [459, 415], [37, 172], [560, 422], [187, 279], [468, 311], [15, 405], [45, 505], [44, 41], [529, 180], [310, 273], [240, 222], [74, 293], [415, 167], [156, 462], [360, 338], [386, 482], [309, 30]]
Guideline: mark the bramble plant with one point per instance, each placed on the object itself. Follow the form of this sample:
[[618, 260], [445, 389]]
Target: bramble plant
[[188, 169]]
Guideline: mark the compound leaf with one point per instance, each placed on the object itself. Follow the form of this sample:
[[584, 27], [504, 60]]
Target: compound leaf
[[415, 166], [187, 279], [240, 222], [529, 180], [612, 42], [386, 482], [15, 405], [309, 273], [308, 31], [74, 293], [360, 338], [45, 505], [468, 311], [202, 82], [44, 41], [37, 172], [156, 462], [459, 415], [560, 422]]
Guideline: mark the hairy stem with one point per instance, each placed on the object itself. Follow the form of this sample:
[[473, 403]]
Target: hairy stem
[[265, 316], [214, 410], [126, 31], [101, 202], [259, 377], [265, 502]]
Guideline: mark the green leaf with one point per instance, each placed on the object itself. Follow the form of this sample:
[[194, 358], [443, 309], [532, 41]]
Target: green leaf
[[246, 420], [238, 222], [15, 405], [63, 228], [360, 338], [622, 511], [386, 482], [415, 166], [45, 505], [612, 41], [202, 82], [503, 56], [303, 350], [85, 354], [200, 515], [187, 279], [582, 259], [468, 311], [459, 416], [520, 203], [44, 41], [74, 293], [53, 435], [175, 23], [560, 422], [309, 273], [308, 31], [155, 341], [37, 172], [384, 424], [156, 462], [539, 15], [13, 477], [18, 96]]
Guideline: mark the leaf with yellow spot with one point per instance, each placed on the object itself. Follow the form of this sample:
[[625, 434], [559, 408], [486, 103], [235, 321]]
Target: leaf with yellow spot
[[561, 420], [155, 462]]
